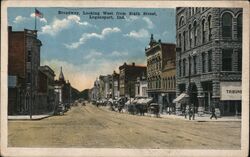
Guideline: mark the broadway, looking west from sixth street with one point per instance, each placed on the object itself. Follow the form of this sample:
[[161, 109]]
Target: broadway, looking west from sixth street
[[89, 126]]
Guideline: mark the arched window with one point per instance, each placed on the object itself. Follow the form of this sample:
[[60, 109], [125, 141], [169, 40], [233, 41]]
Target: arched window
[[180, 68], [195, 33], [184, 40], [174, 82], [181, 21], [190, 36], [171, 82], [239, 27], [227, 25], [209, 28], [180, 40], [203, 31], [184, 67]]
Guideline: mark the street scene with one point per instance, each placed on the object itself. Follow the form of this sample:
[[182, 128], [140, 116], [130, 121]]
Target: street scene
[[125, 77], [89, 126]]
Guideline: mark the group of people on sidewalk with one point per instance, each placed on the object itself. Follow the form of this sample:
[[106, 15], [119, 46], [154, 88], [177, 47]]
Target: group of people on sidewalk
[[190, 112]]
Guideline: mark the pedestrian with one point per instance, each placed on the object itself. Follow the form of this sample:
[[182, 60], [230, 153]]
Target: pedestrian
[[213, 112], [186, 111]]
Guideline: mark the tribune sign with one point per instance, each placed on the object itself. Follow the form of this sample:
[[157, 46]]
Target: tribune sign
[[230, 91]]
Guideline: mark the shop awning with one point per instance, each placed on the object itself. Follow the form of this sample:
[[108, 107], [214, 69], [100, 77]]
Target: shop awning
[[148, 100], [180, 98]]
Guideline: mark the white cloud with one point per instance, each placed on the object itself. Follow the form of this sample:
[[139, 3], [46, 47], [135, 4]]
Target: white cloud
[[41, 19], [60, 24], [93, 55], [142, 33], [20, 19], [118, 54], [149, 22], [131, 18], [87, 36]]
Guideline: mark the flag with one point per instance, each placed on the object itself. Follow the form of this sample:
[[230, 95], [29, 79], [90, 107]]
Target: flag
[[38, 13]]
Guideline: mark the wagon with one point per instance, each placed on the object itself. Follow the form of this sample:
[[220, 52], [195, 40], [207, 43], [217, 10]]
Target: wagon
[[154, 108]]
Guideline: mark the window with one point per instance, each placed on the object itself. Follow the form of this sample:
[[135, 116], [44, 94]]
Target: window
[[227, 25], [180, 68], [195, 33], [184, 67], [203, 62], [209, 28], [190, 36], [195, 61], [28, 77], [209, 61], [227, 59], [180, 40], [29, 56], [184, 41], [239, 27], [203, 31], [190, 65], [159, 82], [240, 60], [181, 22]]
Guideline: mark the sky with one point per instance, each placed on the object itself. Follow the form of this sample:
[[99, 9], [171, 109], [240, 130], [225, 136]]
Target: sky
[[87, 47]]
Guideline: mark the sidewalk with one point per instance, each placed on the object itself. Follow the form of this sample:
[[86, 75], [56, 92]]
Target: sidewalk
[[205, 118], [27, 117]]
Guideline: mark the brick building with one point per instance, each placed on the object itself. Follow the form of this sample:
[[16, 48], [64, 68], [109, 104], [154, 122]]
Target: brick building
[[128, 77], [23, 63], [209, 58], [46, 95], [161, 72]]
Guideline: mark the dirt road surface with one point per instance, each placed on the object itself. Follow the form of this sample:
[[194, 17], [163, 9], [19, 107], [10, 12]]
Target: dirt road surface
[[89, 126]]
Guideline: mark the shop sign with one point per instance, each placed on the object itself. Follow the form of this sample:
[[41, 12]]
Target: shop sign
[[230, 91]]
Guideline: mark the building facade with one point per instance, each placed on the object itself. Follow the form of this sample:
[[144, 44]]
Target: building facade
[[141, 87], [105, 82], [115, 85], [46, 95], [161, 72], [63, 90], [23, 62], [128, 77], [209, 58]]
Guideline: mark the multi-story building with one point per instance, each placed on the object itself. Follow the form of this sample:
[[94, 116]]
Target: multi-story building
[[141, 87], [23, 63], [209, 58], [115, 85], [161, 72], [63, 90], [105, 86], [46, 96], [128, 77]]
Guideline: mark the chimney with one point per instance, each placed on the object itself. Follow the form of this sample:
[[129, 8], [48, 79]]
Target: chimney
[[133, 63]]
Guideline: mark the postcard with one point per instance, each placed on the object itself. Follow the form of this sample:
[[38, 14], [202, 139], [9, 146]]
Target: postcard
[[128, 78]]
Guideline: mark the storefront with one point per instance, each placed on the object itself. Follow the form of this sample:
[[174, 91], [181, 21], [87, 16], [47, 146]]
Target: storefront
[[230, 97]]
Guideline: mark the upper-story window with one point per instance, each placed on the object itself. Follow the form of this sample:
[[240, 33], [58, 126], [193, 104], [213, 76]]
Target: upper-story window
[[239, 27], [180, 40], [195, 64], [195, 33], [184, 67], [29, 56], [209, 28], [203, 31], [227, 60], [190, 36], [181, 21], [184, 41], [203, 62], [179, 67], [209, 61], [240, 60], [227, 25]]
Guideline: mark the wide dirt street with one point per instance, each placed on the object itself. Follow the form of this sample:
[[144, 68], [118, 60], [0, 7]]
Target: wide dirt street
[[89, 126]]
